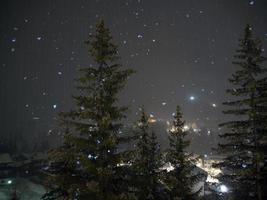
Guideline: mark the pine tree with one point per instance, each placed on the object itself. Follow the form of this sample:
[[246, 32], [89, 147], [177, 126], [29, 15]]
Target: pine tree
[[86, 166], [262, 138], [244, 142], [184, 176], [146, 162]]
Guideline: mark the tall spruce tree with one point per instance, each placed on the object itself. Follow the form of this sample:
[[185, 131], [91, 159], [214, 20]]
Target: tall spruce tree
[[86, 166], [244, 142], [182, 179], [146, 162]]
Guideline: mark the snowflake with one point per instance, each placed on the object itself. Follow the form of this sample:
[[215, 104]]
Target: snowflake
[[251, 3]]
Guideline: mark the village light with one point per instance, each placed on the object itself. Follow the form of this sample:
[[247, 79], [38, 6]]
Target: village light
[[185, 128], [223, 189], [9, 182]]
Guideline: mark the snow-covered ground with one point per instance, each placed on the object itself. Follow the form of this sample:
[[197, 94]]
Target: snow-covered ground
[[26, 190]]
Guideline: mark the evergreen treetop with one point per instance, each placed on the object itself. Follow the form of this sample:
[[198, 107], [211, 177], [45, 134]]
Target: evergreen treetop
[[146, 162], [243, 141], [88, 160], [182, 179]]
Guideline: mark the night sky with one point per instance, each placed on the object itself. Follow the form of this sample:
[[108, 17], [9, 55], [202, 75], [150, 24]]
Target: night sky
[[181, 49]]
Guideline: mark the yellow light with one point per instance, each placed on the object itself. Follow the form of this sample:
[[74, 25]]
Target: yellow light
[[152, 120], [185, 128]]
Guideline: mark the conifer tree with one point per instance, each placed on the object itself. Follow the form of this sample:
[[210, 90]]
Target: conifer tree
[[146, 162], [244, 142], [86, 165], [184, 176]]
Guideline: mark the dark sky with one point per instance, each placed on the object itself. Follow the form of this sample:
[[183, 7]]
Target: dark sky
[[181, 49]]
